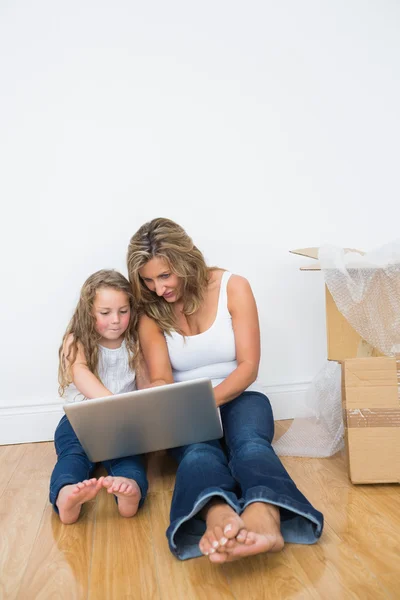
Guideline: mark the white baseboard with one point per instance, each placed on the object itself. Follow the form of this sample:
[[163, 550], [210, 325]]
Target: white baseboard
[[32, 423], [287, 400], [37, 422]]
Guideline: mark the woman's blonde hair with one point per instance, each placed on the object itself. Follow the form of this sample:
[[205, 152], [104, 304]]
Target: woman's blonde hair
[[81, 329], [165, 239]]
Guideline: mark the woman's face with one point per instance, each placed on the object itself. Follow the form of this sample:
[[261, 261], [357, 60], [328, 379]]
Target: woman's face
[[158, 277]]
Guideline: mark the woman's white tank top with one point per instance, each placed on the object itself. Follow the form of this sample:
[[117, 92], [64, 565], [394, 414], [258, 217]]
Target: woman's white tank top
[[209, 354], [114, 373]]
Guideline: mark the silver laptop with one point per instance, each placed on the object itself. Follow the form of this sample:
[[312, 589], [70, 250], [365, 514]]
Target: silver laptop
[[147, 420]]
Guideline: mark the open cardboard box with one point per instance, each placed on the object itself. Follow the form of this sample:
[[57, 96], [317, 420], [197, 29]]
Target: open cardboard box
[[370, 395], [343, 341]]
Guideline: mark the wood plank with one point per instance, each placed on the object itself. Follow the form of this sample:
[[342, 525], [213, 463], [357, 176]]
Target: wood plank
[[10, 456], [367, 530], [268, 577], [21, 508], [123, 561], [332, 568], [195, 579], [161, 469], [60, 560]]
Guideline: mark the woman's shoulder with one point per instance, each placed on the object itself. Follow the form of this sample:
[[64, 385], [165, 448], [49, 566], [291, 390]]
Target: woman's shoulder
[[239, 292], [147, 325], [237, 284], [215, 276]]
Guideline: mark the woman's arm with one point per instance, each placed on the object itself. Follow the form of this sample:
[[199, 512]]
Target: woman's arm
[[155, 352], [243, 310], [84, 380], [142, 374]]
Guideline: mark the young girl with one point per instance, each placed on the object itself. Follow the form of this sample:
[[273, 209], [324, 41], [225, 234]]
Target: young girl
[[98, 356]]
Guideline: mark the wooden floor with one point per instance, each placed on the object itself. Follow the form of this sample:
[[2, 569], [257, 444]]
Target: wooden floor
[[104, 556]]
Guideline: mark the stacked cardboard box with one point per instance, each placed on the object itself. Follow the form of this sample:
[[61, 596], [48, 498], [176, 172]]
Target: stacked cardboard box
[[371, 411], [370, 396]]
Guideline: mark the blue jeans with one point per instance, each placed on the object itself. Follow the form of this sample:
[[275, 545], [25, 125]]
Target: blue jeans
[[242, 470], [73, 465]]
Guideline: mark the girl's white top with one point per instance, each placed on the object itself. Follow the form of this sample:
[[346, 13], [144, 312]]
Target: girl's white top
[[114, 372], [210, 354]]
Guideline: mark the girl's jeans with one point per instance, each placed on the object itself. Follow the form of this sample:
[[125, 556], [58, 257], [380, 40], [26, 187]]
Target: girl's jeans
[[73, 465]]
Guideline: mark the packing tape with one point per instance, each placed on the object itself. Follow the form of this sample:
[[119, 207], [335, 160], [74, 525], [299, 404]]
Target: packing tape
[[373, 417], [397, 357], [376, 417]]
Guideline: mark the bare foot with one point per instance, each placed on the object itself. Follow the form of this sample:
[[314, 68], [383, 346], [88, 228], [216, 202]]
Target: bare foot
[[128, 493], [262, 522], [223, 525], [71, 497]]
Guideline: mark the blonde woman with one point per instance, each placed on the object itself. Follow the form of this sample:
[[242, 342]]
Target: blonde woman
[[231, 501], [98, 356]]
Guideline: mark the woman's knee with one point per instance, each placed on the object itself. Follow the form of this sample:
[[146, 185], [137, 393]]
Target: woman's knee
[[204, 451], [246, 445]]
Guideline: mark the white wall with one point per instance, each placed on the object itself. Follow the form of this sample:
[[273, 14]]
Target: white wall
[[259, 126]]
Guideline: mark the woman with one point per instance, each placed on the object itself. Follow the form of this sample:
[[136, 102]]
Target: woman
[[233, 500]]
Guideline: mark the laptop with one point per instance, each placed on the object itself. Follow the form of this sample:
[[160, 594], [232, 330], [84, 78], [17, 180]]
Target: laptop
[[146, 420]]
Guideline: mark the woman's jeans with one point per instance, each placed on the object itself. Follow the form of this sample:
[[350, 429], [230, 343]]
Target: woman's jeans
[[73, 465], [249, 471]]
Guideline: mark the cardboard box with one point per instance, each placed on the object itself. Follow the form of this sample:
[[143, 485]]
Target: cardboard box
[[371, 408], [342, 340]]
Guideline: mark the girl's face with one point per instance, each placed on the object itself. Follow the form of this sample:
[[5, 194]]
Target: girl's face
[[159, 278], [112, 312]]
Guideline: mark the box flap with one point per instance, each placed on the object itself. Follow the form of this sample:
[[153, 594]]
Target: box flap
[[315, 266], [308, 252], [313, 253]]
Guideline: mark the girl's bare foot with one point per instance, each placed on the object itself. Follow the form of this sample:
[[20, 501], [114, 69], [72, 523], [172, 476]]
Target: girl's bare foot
[[262, 522], [71, 497], [223, 524], [128, 493]]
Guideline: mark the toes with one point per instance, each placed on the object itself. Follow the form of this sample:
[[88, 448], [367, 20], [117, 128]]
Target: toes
[[219, 536], [223, 541], [250, 538], [212, 540], [206, 545], [231, 529], [241, 536], [218, 557]]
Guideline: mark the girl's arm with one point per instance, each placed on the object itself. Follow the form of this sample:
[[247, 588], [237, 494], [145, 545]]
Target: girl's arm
[[155, 352], [243, 310], [84, 380]]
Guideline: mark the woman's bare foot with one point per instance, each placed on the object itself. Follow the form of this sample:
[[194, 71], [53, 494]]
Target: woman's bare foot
[[128, 493], [223, 524], [71, 497], [262, 522]]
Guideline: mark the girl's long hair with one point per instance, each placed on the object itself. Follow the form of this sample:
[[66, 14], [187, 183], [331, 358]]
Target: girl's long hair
[[81, 328], [166, 239]]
